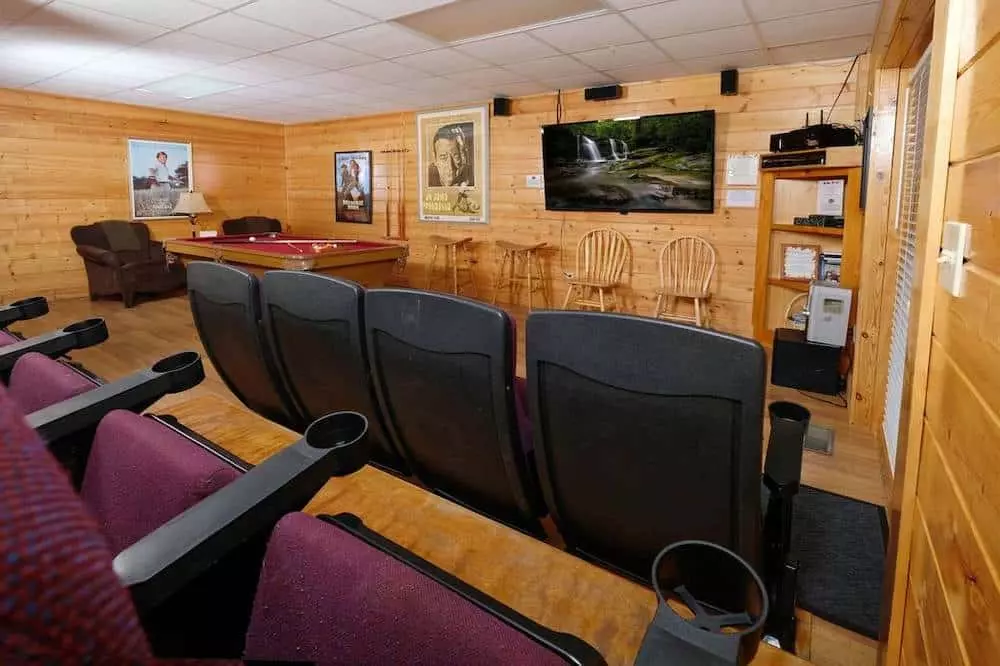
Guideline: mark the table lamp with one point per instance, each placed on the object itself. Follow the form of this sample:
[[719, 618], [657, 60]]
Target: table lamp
[[191, 204]]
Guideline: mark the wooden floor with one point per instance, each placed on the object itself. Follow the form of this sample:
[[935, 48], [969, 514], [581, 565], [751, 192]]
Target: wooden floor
[[546, 584]]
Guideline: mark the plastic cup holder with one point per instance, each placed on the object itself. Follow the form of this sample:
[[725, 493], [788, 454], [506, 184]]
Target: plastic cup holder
[[788, 411], [88, 332], [337, 429], [711, 602], [36, 306], [184, 370]]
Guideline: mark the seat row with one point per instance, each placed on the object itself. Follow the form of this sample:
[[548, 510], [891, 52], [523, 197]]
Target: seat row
[[631, 433], [216, 559]]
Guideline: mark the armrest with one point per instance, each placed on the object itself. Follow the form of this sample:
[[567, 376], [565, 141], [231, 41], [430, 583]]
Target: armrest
[[136, 392], [161, 564], [143, 263], [99, 256], [28, 308], [86, 333]]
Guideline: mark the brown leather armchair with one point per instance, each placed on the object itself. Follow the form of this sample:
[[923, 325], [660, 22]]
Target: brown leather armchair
[[251, 224], [121, 258]]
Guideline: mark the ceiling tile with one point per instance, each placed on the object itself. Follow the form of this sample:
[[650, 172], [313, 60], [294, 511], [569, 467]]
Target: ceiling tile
[[325, 55], [442, 61], [718, 63], [654, 72], [430, 86], [589, 33], [27, 45], [63, 20], [850, 22], [384, 40], [825, 50], [17, 72], [223, 4], [252, 95], [137, 66], [631, 4], [380, 92], [520, 89], [390, 9], [616, 57], [491, 76], [190, 86], [578, 81], [550, 67], [711, 43], [173, 14], [767, 10], [341, 98], [61, 85], [245, 32], [280, 68], [145, 98], [508, 49], [680, 17], [108, 73], [317, 18], [248, 76], [197, 47], [336, 81], [293, 89], [383, 72]]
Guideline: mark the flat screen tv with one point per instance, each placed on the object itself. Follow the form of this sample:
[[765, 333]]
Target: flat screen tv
[[654, 164]]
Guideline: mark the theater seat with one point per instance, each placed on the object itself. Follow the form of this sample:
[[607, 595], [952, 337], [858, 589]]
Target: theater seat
[[37, 381], [7, 338], [141, 473], [327, 596]]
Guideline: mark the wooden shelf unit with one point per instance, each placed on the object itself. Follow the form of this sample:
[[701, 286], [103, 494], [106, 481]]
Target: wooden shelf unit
[[789, 193]]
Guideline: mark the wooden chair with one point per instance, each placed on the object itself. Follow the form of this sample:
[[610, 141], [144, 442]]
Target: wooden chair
[[519, 264], [686, 268], [796, 306], [601, 256], [451, 267]]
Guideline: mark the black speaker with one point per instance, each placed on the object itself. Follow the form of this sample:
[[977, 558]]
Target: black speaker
[[502, 106], [797, 363], [730, 82], [603, 93]]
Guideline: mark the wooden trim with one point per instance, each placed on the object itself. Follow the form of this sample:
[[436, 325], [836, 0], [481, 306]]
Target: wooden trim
[[313, 261], [948, 23]]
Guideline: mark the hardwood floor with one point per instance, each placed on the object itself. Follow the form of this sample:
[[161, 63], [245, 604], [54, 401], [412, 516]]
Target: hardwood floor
[[542, 582]]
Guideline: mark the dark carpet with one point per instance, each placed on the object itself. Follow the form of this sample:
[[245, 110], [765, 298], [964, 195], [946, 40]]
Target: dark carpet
[[840, 545]]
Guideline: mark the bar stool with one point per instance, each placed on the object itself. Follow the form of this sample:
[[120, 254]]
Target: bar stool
[[451, 247], [519, 263]]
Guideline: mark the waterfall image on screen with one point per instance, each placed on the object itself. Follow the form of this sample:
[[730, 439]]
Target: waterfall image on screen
[[651, 164]]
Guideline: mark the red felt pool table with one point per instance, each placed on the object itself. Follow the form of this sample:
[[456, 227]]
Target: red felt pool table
[[368, 262]]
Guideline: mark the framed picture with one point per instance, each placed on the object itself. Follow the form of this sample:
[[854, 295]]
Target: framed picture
[[353, 186], [453, 165], [158, 172], [800, 262]]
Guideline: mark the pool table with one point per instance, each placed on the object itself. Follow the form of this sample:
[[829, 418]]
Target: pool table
[[369, 262]]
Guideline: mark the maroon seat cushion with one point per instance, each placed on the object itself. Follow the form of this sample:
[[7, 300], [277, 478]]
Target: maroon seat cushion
[[7, 338], [60, 602], [140, 474], [37, 381], [328, 597]]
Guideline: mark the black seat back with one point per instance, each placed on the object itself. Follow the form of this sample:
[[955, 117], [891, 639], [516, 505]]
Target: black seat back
[[225, 303], [443, 368], [251, 224], [646, 433], [315, 327]]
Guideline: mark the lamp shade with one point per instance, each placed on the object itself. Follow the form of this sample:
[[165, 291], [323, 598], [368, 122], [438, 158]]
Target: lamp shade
[[191, 203]]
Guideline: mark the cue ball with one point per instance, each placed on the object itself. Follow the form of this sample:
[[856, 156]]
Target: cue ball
[[252, 239]]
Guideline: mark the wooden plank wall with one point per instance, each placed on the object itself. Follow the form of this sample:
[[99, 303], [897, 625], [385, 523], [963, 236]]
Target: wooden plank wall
[[770, 100], [63, 162], [953, 601]]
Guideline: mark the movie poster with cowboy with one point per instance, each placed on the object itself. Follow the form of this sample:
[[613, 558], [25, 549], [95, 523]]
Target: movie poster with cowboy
[[353, 184], [453, 159], [158, 172]]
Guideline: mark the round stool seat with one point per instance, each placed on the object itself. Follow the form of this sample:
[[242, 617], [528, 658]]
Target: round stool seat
[[445, 241], [508, 246]]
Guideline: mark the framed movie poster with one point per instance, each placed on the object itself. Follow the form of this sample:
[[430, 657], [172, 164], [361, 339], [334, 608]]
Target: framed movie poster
[[353, 182], [158, 172], [453, 165]]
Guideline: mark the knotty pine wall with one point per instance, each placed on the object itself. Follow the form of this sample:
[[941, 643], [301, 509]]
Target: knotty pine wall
[[771, 100], [952, 603], [64, 161]]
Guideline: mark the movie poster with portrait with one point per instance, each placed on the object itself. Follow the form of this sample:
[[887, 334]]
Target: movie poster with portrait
[[453, 159], [158, 172], [353, 183]]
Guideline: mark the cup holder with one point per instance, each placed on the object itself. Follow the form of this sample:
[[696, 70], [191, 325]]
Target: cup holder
[[337, 429], [184, 370], [88, 332], [712, 607], [788, 411], [36, 306]]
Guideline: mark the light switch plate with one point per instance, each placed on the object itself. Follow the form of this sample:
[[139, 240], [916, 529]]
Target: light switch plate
[[533, 181], [955, 250]]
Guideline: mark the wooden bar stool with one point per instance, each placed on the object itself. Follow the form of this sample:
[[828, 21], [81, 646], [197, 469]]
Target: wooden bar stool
[[519, 264], [451, 247]]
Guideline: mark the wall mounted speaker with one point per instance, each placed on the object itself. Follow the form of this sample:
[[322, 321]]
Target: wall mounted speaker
[[730, 82], [502, 106], [603, 93]]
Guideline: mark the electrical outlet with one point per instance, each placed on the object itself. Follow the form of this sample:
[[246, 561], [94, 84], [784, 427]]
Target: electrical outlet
[[534, 182], [955, 250]]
